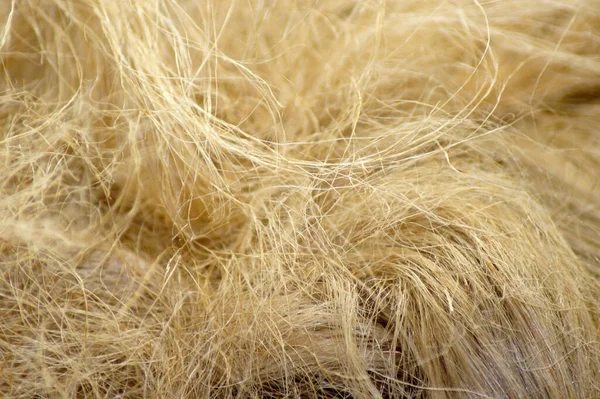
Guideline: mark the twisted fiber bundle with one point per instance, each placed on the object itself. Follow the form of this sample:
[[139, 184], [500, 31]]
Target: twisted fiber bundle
[[299, 198]]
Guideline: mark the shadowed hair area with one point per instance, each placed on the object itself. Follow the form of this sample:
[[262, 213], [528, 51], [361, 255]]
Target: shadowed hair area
[[299, 199]]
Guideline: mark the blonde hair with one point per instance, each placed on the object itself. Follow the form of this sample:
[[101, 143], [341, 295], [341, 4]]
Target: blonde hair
[[296, 198]]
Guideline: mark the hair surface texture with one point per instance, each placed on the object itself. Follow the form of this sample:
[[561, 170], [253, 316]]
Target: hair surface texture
[[299, 198]]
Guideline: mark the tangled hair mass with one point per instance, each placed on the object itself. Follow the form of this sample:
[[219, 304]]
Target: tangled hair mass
[[299, 199]]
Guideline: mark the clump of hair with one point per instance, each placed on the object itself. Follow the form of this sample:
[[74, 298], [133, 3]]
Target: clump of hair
[[294, 198]]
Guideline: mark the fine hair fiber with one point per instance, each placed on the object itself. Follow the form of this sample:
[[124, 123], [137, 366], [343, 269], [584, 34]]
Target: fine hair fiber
[[299, 199]]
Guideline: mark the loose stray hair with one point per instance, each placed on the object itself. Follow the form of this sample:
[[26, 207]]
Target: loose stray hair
[[299, 198]]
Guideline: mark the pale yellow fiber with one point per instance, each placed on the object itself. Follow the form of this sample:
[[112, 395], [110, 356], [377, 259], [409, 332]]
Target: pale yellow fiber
[[299, 199]]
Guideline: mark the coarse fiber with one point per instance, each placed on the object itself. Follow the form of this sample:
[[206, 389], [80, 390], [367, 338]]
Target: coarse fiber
[[299, 199]]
